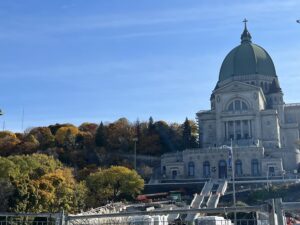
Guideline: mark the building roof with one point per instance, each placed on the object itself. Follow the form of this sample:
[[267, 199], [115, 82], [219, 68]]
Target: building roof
[[247, 59]]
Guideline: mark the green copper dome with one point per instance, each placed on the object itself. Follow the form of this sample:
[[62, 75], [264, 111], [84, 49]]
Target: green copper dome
[[247, 59]]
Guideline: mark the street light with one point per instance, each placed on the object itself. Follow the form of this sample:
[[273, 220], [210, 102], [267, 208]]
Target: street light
[[1, 113], [231, 157], [298, 21], [135, 141]]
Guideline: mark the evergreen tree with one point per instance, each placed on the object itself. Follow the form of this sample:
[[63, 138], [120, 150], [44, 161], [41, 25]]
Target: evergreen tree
[[100, 137], [151, 125], [187, 134]]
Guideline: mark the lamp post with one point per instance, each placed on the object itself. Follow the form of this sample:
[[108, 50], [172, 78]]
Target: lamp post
[[135, 141], [231, 156]]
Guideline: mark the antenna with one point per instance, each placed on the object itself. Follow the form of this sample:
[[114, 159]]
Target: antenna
[[22, 122]]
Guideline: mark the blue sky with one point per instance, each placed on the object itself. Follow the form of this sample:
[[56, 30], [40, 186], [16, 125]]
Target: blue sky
[[78, 61]]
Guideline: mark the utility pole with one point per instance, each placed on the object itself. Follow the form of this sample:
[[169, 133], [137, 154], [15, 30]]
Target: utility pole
[[3, 125], [233, 181], [232, 161]]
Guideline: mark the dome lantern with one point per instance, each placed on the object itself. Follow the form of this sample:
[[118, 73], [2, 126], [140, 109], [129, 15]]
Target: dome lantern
[[246, 36]]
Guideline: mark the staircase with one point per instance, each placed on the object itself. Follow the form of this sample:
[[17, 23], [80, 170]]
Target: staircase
[[208, 198]]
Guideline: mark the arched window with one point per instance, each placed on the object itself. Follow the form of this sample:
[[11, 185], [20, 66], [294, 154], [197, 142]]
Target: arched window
[[230, 107], [238, 168], [237, 105], [254, 167], [222, 169], [191, 169], [206, 169]]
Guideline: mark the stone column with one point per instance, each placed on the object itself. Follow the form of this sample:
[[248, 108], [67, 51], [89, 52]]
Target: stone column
[[226, 130], [249, 128], [242, 131]]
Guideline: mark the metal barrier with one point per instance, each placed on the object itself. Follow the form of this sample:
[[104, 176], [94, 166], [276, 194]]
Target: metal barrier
[[275, 210], [158, 220], [30, 219]]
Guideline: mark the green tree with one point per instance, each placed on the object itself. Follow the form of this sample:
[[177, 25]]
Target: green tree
[[6, 193], [114, 183], [151, 126], [189, 134], [186, 134]]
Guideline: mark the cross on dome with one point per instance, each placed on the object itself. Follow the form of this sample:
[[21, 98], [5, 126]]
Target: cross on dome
[[245, 22], [246, 36]]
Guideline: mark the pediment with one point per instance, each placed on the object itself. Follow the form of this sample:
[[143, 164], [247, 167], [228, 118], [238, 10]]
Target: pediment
[[236, 86]]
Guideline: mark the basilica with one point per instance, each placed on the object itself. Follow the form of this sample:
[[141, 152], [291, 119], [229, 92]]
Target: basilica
[[249, 114]]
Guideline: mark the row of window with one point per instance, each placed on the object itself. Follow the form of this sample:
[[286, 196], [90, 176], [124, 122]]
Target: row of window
[[264, 85], [222, 168]]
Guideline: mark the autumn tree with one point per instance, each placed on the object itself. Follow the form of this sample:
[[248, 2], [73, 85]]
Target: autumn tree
[[88, 127], [40, 184], [44, 136], [66, 136], [120, 135], [8, 141]]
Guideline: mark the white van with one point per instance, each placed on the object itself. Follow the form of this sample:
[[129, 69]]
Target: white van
[[212, 220]]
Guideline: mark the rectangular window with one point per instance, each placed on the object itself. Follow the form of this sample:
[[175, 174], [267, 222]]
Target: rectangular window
[[237, 105]]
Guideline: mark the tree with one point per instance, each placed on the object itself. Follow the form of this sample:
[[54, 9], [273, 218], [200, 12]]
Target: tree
[[6, 193], [59, 190], [8, 141], [100, 136], [120, 135], [186, 134], [54, 128], [66, 136], [165, 135], [29, 145], [44, 136], [114, 183], [151, 126], [189, 134], [40, 184], [88, 127]]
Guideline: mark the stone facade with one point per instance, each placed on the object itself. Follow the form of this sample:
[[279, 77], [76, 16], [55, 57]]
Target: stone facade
[[247, 111]]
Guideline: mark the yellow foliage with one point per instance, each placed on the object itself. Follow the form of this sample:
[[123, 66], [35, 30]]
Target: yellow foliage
[[65, 133], [8, 141], [4, 134]]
